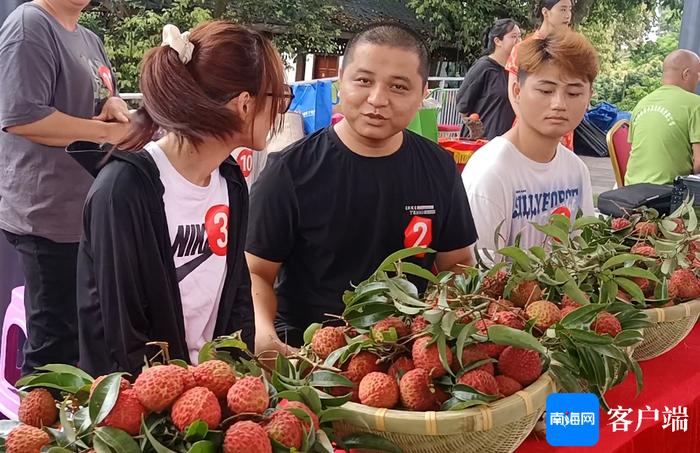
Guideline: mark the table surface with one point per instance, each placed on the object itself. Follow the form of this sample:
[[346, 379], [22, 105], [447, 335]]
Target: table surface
[[670, 380]]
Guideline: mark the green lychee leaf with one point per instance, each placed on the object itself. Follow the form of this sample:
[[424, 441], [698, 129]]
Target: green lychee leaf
[[368, 441], [329, 379], [455, 404], [67, 424], [67, 369], [58, 450], [323, 443], [582, 315], [630, 288], [311, 399], [203, 446], [334, 414], [389, 262], [589, 338], [196, 431], [505, 335], [157, 446], [104, 398], [586, 221], [414, 269], [466, 393], [565, 379], [635, 272], [310, 331], [65, 382], [625, 258], [442, 352], [628, 338], [117, 440], [179, 362], [518, 256]]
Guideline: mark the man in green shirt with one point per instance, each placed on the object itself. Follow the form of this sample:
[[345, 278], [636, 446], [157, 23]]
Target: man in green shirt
[[665, 129]]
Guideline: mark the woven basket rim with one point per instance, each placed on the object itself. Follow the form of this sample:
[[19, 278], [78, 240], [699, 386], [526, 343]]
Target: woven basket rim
[[674, 313], [484, 417]]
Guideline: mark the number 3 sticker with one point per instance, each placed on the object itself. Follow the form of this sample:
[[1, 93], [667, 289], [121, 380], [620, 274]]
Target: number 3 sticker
[[216, 224], [419, 232]]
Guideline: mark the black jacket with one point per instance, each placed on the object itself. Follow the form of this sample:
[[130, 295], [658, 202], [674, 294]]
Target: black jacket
[[128, 292], [485, 91]]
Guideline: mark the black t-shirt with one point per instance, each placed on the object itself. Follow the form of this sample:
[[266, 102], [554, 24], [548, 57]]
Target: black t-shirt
[[330, 216], [485, 91]]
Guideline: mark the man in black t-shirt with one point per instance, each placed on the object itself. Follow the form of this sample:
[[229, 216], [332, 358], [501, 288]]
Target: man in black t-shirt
[[327, 210]]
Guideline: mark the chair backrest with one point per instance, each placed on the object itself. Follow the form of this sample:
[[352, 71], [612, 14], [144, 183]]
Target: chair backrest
[[619, 149]]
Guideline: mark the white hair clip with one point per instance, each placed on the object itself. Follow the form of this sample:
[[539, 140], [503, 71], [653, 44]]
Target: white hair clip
[[179, 42]]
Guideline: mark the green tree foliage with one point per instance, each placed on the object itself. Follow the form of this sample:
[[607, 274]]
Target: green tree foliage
[[130, 27], [632, 68]]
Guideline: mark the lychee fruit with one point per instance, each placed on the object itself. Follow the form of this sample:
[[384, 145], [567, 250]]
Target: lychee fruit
[[492, 350], [198, 403], [482, 326], [38, 409], [326, 340], [427, 357], [419, 324], [187, 376], [685, 283], [342, 391], [400, 367], [126, 413], [566, 310], [607, 323], [379, 390], [384, 326], [361, 365], [623, 296], [643, 249], [248, 395], [471, 354], [498, 306], [507, 386], [123, 383], [439, 397], [566, 301], [216, 375], [246, 437], [287, 404], [645, 285], [545, 314], [494, 285], [415, 391], [523, 365], [510, 319], [619, 223], [26, 439], [480, 381], [158, 387], [680, 226], [285, 428], [646, 229], [463, 316], [526, 292]]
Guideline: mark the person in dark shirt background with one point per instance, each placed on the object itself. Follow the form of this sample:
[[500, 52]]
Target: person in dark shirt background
[[485, 87]]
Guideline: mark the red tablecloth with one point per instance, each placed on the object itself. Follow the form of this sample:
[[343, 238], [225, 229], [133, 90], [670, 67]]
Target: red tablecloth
[[670, 380]]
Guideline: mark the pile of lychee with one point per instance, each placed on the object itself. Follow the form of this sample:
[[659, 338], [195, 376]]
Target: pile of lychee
[[207, 392]]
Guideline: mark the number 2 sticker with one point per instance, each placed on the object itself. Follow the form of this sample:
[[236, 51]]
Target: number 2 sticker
[[419, 232], [216, 224]]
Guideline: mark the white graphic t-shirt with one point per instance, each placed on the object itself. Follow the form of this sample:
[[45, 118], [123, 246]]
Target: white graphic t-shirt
[[198, 220], [503, 185]]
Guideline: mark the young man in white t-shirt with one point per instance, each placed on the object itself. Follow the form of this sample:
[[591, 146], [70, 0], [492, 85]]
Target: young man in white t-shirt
[[526, 175]]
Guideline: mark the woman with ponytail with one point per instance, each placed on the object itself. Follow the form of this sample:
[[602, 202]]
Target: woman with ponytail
[[554, 16], [485, 87], [161, 258]]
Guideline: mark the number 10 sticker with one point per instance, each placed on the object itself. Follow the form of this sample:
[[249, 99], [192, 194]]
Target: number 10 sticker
[[418, 233]]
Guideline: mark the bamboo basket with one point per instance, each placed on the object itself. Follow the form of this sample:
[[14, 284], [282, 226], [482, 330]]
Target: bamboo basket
[[671, 325], [496, 428]]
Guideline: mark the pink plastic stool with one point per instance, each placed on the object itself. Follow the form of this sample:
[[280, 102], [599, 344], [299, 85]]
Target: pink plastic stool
[[13, 327]]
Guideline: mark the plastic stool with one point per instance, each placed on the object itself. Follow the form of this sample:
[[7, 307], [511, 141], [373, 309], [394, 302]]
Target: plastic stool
[[14, 332]]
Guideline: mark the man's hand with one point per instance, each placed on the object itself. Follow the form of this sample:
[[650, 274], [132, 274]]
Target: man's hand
[[114, 110], [116, 132]]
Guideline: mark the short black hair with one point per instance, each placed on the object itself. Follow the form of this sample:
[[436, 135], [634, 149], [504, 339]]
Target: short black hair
[[392, 34], [499, 29]]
